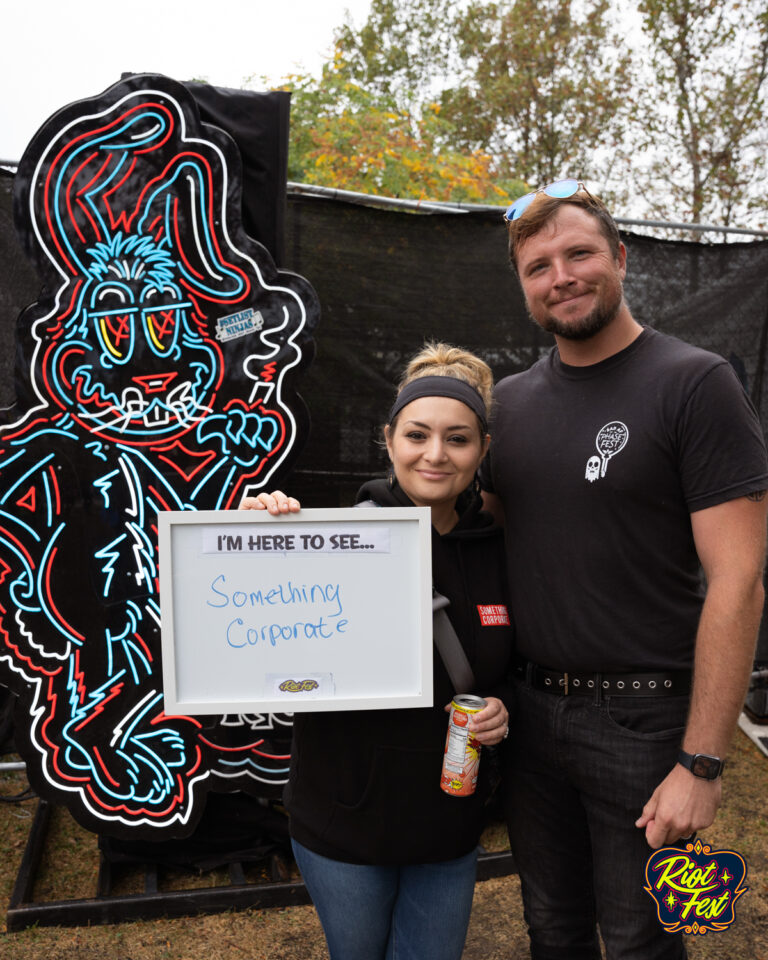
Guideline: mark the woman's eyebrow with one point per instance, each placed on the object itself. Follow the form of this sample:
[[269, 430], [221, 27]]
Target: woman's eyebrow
[[427, 426]]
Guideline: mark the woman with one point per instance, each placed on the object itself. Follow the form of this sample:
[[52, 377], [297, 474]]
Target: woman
[[389, 858]]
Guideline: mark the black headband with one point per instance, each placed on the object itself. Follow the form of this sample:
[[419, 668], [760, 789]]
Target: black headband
[[441, 387]]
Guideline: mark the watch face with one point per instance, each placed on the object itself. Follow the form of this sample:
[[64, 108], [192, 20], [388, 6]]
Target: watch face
[[706, 767]]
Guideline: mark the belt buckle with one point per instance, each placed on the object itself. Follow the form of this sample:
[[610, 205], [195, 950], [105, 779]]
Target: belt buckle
[[565, 684]]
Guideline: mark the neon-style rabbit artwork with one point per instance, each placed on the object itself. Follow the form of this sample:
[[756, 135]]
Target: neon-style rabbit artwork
[[155, 372]]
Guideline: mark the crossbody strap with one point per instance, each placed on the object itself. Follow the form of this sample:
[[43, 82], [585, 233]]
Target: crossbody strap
[[449, 646]]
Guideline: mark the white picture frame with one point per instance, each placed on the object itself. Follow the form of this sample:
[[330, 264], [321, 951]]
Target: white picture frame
[[320, 610]]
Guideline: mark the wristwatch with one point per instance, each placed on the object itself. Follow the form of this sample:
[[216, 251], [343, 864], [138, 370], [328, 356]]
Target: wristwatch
[[701, 764]]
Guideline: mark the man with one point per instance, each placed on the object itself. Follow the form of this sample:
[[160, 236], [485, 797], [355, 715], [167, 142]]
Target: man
[[625, 463]]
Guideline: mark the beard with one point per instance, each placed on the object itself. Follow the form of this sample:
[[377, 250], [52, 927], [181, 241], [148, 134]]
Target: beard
[[582, 328]]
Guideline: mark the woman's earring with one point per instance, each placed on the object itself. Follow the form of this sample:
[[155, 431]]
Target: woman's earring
[[390, 477]]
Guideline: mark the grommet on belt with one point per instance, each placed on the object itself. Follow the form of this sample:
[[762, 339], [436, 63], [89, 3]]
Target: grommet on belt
[[629, 684]]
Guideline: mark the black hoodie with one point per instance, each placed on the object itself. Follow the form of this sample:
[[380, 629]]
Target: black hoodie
[[364, 786]]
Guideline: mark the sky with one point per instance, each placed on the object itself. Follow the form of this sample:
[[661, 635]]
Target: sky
[[57, 51]]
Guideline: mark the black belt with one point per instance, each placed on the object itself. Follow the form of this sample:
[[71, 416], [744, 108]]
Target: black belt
[[671, 683]]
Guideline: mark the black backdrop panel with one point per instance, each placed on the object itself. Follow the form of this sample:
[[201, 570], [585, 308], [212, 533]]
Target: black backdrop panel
[[387, 280], [258, 123]]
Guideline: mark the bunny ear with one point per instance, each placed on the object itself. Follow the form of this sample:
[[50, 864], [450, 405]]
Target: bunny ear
[[83, 189], [185, 207]]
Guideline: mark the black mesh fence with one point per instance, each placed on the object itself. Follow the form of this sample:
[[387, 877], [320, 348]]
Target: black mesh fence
[[388, 279]]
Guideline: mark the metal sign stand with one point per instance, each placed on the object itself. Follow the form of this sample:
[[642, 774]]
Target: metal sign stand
[[107, 907]]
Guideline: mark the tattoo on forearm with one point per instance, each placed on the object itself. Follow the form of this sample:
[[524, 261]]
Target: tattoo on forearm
[[758, 496]]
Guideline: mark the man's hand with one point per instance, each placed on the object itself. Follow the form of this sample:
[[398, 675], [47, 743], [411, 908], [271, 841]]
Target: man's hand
[[681, 805]]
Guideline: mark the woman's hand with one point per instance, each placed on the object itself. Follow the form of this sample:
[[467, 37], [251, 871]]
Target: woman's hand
[[491, 724], [275, 503]]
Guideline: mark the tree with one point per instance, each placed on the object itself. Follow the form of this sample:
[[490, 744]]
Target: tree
[[404, 52], [702, 121], [471, 100], [543, 88], [347, 137], [537, 84]]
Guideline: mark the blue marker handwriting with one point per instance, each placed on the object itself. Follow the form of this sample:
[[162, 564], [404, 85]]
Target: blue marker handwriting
[[322, 618]]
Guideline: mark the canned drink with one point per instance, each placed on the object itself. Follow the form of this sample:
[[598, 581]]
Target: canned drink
[[462, 751]]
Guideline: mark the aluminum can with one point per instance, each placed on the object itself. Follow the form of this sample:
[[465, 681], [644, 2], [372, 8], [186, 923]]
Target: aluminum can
[[461, 760]]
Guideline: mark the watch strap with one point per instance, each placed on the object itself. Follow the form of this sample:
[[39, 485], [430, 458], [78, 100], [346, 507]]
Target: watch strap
[[701, 765]]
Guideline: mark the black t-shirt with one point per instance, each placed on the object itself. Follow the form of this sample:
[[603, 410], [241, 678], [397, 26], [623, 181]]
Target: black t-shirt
[[599, 469]]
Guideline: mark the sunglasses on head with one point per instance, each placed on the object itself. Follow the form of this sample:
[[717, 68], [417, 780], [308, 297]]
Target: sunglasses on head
[[560, 189]]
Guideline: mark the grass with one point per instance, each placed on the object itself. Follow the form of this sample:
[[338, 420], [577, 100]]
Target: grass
[[70, 866]]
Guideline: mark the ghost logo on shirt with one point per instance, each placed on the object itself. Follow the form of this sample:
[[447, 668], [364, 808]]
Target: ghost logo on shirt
[[610, 440], [593, 469]]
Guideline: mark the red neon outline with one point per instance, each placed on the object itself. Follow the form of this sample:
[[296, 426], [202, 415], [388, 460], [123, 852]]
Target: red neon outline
[[70, 145], [176, 800], [163, 501], [145, 380], [164, 717], [205, 168], [55, 484], [105, 199], [29, 500], [25, 428], [86, 187], [251, 748], [68, 199], [27, 556], [187, 475], [55, 749], [100, 707], [18, 655], [179, 245], [106, 772], [49, 596], [144, 647], [46, 365], [79, 677]]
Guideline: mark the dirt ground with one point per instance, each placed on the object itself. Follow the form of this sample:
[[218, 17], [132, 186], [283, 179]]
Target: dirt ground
[[496, 930]]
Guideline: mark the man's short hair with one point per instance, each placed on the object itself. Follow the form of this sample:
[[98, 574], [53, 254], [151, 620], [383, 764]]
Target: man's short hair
[[544, 208]]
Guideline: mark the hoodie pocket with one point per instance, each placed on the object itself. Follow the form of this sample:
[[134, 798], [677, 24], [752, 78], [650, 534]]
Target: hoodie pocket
[[402, 812]]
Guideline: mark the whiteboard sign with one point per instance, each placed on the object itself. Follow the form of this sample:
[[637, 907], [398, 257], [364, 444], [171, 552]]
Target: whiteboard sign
[[320, 610]]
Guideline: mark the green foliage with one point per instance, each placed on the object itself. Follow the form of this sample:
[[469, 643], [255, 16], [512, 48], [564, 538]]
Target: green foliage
[[404, 50], [543, 86], [702, 116], [474, 99], [347, 137]]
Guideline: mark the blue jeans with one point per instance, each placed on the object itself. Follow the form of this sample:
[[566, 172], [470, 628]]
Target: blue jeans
[[580, 771], [417, 912]]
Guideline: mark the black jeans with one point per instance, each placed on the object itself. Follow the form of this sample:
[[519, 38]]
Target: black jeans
[[578, 774]]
